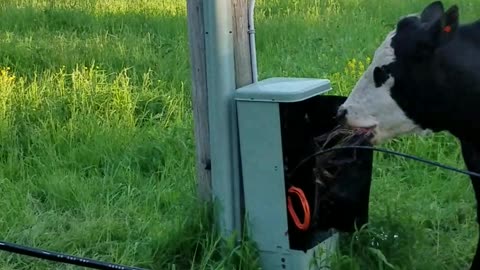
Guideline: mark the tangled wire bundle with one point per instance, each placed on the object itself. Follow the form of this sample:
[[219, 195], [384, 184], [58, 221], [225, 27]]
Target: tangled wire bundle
[[327, 167]]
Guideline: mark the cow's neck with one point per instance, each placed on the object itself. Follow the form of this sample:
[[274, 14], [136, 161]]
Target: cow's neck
[[448, 92]]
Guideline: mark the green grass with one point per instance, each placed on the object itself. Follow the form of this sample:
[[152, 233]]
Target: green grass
[[96, 135]]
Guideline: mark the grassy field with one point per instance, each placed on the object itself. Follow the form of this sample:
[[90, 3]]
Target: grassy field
[[96, 137]]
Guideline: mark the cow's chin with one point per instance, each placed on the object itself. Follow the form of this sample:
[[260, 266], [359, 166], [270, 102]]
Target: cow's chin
[[374, 134], [381, 136], [370, 133], [367, 129], [379, 133]]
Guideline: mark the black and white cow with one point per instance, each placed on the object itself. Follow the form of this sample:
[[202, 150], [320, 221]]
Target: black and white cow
[[425, 77]]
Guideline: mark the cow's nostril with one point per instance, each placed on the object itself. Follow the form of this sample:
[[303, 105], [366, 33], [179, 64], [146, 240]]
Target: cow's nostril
[[341, 113]]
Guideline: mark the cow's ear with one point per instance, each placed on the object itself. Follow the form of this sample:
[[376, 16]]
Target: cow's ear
[[432, 13], [450, 21], [442, 30]]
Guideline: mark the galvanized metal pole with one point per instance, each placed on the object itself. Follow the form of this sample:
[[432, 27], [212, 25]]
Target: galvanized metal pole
[[224, 149]]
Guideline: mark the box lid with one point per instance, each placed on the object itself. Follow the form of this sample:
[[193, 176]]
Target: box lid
[[283, 89]]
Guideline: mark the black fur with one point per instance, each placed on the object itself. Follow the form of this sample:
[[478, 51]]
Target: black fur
[[437, 80], [380, 76]]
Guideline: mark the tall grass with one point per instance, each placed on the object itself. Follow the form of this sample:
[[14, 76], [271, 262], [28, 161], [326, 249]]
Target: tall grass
[[97, 150]]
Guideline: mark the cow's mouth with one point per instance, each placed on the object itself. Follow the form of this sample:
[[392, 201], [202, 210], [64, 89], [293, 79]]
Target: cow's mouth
[[365, 131]]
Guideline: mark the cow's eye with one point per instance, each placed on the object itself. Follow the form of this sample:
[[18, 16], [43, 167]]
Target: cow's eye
[[380, 76]]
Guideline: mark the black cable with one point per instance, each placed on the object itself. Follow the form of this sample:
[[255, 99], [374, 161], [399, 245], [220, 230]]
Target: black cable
[[63, 258], [58, 257], [391, 152]]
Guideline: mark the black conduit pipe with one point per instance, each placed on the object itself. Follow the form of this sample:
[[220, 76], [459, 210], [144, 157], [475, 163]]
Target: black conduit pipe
[[62, 258], [386, 151]]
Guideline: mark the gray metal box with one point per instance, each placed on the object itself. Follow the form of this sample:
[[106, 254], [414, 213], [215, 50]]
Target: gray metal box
[[262, 161]]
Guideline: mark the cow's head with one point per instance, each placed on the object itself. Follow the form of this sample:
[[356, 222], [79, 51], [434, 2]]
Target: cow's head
[[382, 99]]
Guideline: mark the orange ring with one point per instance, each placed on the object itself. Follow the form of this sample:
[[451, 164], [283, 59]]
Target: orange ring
[[306, 209]]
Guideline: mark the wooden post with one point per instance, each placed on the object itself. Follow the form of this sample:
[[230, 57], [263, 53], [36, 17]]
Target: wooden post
[[243, 65], [196, 35]]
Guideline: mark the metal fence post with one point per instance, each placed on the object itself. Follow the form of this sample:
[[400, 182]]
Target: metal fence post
[[220, 63]]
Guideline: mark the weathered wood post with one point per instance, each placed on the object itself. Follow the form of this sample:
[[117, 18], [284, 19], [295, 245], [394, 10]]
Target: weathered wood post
[[199, 96], [243, 63]]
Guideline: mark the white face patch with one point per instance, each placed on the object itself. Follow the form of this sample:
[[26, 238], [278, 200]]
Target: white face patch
[[369, 106]]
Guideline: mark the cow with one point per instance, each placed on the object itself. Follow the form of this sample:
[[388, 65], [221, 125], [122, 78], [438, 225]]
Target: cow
[[424, 78]]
